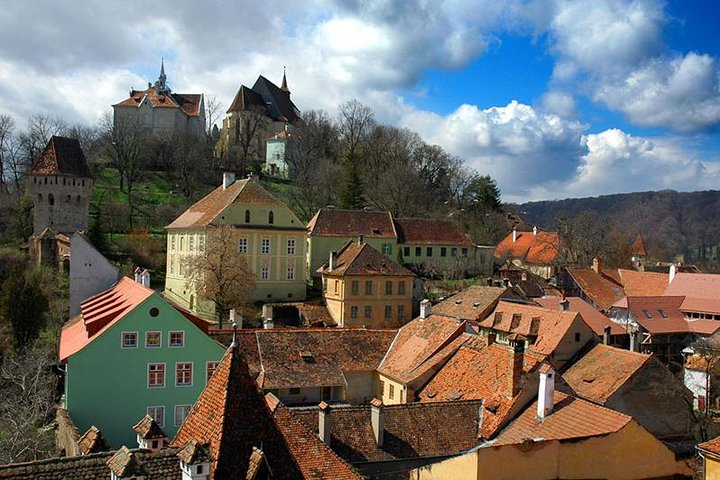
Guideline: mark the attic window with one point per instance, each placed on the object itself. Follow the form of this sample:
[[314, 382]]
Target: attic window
[[647, 314], [589, 379], [376, 231], [476, 304], [458, 302], [307, 356], [492, 405], [662, 313]]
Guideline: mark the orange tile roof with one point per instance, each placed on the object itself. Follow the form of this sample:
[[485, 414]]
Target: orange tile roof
[[362, 259], [711, 446], [701, 291], [479, 371], [571, 418], [418, 344], [548, 326], [205, 211], [427, 231], [638, 246], [643, 284], [331, 222], [594, 319], [603, 371], [473, 303], [538, 249], [696, 362], [661, 315], [61, 156], [189, 103], [601, 289], [98, 313]]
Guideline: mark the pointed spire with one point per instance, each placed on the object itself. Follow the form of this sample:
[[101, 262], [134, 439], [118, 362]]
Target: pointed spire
[[284, 86], [160, 84]]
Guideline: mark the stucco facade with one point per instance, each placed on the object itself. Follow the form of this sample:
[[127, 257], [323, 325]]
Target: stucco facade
[[90, 273], [319, 248]]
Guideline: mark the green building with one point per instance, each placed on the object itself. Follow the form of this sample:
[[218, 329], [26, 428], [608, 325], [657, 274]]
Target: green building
[[131, 353]]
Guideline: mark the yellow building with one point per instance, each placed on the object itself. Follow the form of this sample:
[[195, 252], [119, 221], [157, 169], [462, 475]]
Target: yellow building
[[710, 454], [362, 287], [271, 236]]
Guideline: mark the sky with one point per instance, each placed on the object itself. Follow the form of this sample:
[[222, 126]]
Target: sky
[[553, 99]]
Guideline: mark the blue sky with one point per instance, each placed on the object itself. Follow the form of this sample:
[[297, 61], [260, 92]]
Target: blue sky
[[552, 98]]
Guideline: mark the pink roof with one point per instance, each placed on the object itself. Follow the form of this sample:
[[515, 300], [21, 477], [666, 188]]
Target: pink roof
[[701, 291], [591, 316], [661, 315]]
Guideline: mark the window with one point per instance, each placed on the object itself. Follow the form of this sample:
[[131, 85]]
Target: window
[[387, 248], [210, 368], [401, 287], [368, 311], [428, 252], [368, 287], [406, 251], [662, 313], [265, 246], [647, 314], [391, 391], [388, 311], [418, 251], [290, 273], [401, 312], [443, 251], [453, 252], [181, 413], [172, 264], [291, 246], [201, 243], [129, 339], [157, 413], [183, 374], [156, 375], [243, 245], [182, 243], [355, 287], [172, 241], [153, 339], [247, 216], [191, 243], [577, 337], [271, 218], [464, 252], [354, 311], [337, 285], [265, 272], [177, 339], [154, 312], [388, 287]]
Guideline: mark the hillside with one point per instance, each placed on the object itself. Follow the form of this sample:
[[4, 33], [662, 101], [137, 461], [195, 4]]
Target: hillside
[[672, 222]]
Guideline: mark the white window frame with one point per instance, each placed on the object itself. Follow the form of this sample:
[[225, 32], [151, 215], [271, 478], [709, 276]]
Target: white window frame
[[164, 378], [207, 370], [161, 408], [159, 345], [122, 340], [177, 421], [201, 243], [291, 246], [265, 244], [290, 273], [191, 243], [265, 272], [173, 242], [192, 367], [243, 245], [170, 339]]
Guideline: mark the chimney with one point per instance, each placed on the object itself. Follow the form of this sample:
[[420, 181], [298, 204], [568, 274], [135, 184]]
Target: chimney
[[546, 391], [535, 230], [228, 179], [425, 309], [606, 335], [360, 240], [597, 265], [145, 278], [517, 349], [489, 281], [267, 311], [332, 261], [324, 423], [671, 274], [564, 304], [136, 273], [253, 176], [633, 340], [233, 316], [377, 418], [490, 338], [514, 234], [523, 276], [268, 323]]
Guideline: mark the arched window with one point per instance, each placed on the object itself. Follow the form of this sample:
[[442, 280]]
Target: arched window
[[51, 199], [247, 216], [271, 217]]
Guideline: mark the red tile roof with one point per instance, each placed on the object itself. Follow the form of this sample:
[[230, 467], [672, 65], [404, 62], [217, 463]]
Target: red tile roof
[[92, 441], [540, 249], [234, 418], [419, 346], [148, 428], [661, 315], [62, 156], [478, 371], [643, 284], [473, 303], [701, 291], [189, 103], [601, 289], [594, 319], [603, 371], [638, 246], [362, 259], [426, 231], [571, 418], [331, 222], [711, 446], [412, 430]]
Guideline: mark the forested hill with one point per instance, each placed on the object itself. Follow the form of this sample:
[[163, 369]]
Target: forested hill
[[671, 222]]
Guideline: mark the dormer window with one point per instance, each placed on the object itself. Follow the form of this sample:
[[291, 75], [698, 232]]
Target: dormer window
[[647, 313]]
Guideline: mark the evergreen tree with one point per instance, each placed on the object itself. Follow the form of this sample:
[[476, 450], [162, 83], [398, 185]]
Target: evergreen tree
[[351, 195], [23, 305]]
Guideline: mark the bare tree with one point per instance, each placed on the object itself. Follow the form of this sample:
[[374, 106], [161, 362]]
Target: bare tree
[[355, 123], [7, 130], [213, 108], [241, 149], [221, 274], [41, 127]]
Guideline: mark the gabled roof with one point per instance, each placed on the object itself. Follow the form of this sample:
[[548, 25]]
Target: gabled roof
[[281, 108], [428, 231], [638, 246], [473, 303], [539, 249], [601, 372], [189, 103], [593, 318], [480, 371], [331, 222], [711, 446], [571, 418], [62, 156], [124, 463], [701, 291], [362, 259], [234, 418], [247, 99], [600, 288], [206, 210], [412, 430], [148, 428], [643, 284], [420, 347], [661, 315], [92, 441]]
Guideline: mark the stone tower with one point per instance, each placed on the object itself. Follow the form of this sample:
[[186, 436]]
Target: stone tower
[[60, 185]]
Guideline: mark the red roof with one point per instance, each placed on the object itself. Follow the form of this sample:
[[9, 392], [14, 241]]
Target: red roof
[[473, 303], [331, 222], [711, 446], [638, 246], [601, 289], [643, 284], [661, 315], [189, 103], [426, 231], [362, 259], [701, 291], [540, 248], [62, 156], [593, 318]]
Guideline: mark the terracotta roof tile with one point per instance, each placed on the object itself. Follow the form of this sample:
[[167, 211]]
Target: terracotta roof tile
[[701, 291], [603, 371], [189, 103], [195, 452], [638, 246], [362, 259], [571, 418], [643, 284], [331, 222], [593, 318], [538, 249], [92, 441], [660, 315], [601, 289], [148, 429], [712, 446], [427, 231], [473, 303], [62, 156]]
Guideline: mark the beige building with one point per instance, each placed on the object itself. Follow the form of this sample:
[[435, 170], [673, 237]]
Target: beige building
[[361, 286], [271, 236]]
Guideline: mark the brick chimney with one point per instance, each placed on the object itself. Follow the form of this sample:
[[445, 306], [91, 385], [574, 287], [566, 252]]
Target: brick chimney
[[546, 392], [564, 304], [324, 422], [597, 265], [425, 309], [377, 418], [490, 338], [516, 352], [228, 179], [606, 335]]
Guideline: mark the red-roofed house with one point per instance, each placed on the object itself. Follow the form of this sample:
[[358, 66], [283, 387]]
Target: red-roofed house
[[701, 292], [593, 318], [535, 250]]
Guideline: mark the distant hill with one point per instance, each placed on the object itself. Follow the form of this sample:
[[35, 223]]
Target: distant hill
[[671, 222]]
